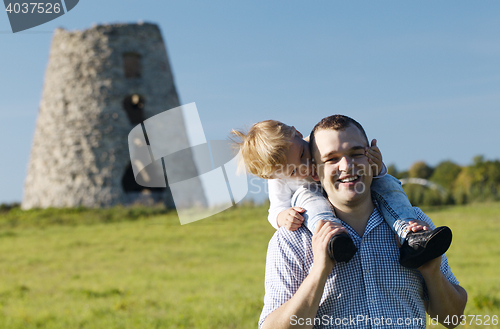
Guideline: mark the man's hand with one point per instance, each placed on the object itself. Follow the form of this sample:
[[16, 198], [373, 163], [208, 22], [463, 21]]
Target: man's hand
[[374, 157], [324, 231], [291, 218]]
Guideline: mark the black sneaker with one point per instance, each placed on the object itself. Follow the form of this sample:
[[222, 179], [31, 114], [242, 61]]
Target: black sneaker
[[423, 246], [341, 248]]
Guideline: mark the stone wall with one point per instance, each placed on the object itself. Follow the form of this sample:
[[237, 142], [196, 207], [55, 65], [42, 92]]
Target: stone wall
[[80, 152]]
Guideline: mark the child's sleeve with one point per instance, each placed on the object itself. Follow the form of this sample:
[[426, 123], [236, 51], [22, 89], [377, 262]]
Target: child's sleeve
[[383, 172], [280, 196]]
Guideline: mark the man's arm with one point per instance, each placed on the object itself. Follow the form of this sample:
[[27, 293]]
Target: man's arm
[[445, 299], [305, 302]]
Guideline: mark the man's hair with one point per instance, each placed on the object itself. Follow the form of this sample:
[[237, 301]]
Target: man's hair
[[336, 122], [264, 146]]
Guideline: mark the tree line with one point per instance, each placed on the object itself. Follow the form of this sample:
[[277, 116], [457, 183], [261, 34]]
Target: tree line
[[478, 182]]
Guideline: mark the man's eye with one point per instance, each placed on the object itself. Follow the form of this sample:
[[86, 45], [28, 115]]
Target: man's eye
[[357, 155], [293, 172]]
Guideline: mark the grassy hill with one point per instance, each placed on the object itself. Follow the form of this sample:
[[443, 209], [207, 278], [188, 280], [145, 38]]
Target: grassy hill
[[139, 268]]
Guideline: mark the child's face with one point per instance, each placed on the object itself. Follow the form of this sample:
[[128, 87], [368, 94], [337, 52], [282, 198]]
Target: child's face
[[299, 163]]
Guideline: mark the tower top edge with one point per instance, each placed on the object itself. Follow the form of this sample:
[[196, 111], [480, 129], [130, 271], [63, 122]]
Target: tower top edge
[[106, 28]]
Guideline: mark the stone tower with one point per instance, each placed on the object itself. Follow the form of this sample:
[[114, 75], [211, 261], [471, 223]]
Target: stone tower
[[99, 84]]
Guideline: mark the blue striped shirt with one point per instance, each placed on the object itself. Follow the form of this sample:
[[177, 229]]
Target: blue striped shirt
[[371, 290]]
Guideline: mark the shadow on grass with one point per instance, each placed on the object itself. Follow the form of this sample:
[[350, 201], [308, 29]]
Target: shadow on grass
[[14, 217]]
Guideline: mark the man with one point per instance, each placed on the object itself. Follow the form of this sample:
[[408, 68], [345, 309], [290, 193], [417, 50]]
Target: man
[[304, 286]]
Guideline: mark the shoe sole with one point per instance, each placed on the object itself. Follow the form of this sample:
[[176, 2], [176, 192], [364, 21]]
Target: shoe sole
[[341, 248], [438, 244]]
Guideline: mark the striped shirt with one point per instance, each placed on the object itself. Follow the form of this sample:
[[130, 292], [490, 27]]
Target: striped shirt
[[371, 290]]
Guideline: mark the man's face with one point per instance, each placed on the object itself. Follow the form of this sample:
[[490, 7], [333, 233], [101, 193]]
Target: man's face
[[299, 163], [342, 165]]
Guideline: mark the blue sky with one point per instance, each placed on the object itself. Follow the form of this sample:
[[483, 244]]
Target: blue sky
[[423, 77]]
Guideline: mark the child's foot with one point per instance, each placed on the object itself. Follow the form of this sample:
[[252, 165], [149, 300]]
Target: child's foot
[[341, 248], [423, 246]]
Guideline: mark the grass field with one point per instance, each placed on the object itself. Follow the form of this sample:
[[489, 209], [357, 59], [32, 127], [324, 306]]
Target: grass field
[[139, 268]]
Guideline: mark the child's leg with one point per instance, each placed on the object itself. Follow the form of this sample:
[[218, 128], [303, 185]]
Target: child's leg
[[340, 247], [417, 248], [316, 205], [394, 204]]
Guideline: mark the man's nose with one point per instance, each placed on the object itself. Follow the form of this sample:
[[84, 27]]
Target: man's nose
[[345, 163]]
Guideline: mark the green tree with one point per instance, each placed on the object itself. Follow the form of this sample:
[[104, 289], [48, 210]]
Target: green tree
[[420, 170], [478, 182], [415, 194], [392, 170], [445, 174]]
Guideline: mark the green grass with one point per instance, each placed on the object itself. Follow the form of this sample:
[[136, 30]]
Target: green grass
[[139, 268], [474, 254]]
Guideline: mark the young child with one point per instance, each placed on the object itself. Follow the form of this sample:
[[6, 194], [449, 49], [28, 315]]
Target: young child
[[275, 151]]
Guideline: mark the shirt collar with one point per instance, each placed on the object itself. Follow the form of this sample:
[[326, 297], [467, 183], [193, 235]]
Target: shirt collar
[[375, 220]]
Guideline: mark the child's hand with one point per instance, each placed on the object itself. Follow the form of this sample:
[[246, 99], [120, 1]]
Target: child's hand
[[418, 225], [291, 218], [374, 158], [414, 226]]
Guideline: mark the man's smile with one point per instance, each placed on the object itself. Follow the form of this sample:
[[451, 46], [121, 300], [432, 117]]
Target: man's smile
[[348, 179]]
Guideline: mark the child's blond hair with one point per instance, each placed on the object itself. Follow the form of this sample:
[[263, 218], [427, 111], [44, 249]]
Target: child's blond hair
[[263, 148]]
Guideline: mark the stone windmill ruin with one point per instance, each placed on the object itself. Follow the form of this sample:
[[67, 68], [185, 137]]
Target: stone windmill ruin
[[99, 84]]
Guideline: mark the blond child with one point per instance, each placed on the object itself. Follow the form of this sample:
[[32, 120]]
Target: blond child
[[275, 151]]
